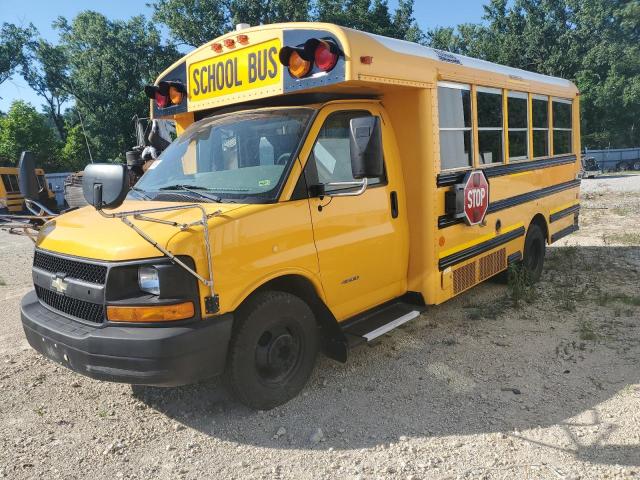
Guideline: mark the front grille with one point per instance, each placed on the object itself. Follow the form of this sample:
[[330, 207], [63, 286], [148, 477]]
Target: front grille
[[91, 312], [89, 272]]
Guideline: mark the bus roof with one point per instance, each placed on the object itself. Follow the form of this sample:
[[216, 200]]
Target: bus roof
[[417, 50], [368, 63]]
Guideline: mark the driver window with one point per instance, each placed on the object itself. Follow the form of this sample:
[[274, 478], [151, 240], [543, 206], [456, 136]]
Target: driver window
[[330, 159]]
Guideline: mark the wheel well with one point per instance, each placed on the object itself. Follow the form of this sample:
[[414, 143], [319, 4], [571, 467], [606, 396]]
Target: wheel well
[[539, 220], [334, 341]]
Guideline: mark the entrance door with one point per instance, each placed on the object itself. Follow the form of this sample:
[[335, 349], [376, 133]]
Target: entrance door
[[362, 241]]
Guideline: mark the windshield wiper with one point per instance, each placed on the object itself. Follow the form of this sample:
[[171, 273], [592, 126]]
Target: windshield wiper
[[193, 189], [141, 192]]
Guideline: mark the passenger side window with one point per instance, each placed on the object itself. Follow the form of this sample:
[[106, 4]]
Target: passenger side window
[[518, 108], [456, 146], [540, 116], [490, 126], [330, 159], [562, 127]]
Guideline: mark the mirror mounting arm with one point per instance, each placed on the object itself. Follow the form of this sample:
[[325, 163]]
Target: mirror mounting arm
[[97, 196]]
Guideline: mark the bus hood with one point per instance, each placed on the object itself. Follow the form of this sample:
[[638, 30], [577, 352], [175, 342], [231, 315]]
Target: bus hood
[[86, 233]]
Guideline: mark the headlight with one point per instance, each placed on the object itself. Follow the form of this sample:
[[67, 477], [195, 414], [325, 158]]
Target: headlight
[[148, 280]]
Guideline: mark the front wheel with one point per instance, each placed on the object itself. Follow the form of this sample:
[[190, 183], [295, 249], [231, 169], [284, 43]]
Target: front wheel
[[534, 250], [272, 351]]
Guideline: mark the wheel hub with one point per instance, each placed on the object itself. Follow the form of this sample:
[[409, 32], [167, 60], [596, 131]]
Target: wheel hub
[[280, 351], [277, 354]]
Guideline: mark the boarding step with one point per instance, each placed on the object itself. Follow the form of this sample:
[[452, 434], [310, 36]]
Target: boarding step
[[379, 321]]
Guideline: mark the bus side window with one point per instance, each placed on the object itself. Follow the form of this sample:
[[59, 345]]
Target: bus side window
[[540, 114], [454, 112], [562, 127], [518, 118], [490, 126], [10, 183], [6, 183]]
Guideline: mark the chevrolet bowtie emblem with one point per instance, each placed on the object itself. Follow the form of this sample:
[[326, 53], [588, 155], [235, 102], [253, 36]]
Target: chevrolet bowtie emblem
[[59, 285]]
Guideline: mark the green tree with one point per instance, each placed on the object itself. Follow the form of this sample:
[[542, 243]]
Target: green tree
[[107, 65], [74, 155], [259, 12], [195, 22], [404, 23], [44, 67], [24, 128], [359, 14], [12, 42]]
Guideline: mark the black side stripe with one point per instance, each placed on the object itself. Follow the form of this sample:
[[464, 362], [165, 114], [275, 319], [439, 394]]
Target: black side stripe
[[564, 232], [447, 179], [515, 257], [445, 221], [471, 252], [554, 217]]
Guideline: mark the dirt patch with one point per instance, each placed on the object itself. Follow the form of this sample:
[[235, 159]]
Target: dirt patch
[[484, 386]]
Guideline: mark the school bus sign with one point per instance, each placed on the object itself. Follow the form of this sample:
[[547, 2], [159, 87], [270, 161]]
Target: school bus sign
[[476, 197], [249, 68]]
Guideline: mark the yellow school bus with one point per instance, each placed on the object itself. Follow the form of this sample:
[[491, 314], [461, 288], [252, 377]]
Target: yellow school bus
[[327, 185], [10, 196]]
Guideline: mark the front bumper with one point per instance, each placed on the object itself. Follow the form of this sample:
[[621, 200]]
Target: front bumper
[[161, 356]]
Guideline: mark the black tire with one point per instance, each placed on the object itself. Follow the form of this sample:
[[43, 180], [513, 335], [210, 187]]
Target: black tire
[[534, 251], [622, 167], [272, 351], [636, 165]]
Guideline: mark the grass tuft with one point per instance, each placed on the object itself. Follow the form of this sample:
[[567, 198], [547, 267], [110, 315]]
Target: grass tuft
[[586, 331], [520, 287]]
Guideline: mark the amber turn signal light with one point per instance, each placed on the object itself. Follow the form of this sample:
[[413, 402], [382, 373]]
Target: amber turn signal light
[[165, 93], [296, 61], [175, 94], [160, 313]]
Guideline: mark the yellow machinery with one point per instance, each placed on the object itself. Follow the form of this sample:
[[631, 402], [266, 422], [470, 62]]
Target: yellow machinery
[[325, 187], [10, 196]]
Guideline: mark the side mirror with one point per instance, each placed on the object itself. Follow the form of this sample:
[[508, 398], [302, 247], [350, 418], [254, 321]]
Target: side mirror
[[366, 147], [27, 180], [105, 185]]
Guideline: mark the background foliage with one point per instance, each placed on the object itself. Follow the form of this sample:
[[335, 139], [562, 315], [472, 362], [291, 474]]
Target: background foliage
[[97, 69]]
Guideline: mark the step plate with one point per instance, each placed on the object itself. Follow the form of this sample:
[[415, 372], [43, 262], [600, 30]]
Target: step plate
[[379, 321], [391, 325]]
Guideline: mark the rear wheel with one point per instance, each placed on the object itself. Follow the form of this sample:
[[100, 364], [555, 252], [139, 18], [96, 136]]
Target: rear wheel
[[534, 250], [272, 351], [622, 167], [636, 165]]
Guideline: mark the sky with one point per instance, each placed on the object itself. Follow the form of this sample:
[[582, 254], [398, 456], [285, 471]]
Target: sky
[[428, 13]]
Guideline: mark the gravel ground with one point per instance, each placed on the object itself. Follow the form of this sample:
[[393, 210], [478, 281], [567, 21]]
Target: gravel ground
[[543, 385], [615, 182]]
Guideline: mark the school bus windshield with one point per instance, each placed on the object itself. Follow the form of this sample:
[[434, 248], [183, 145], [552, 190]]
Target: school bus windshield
[[236, 157]]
